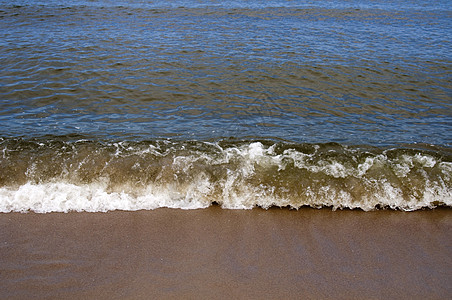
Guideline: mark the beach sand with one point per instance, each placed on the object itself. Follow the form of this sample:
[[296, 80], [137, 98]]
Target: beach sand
[[220, 254]]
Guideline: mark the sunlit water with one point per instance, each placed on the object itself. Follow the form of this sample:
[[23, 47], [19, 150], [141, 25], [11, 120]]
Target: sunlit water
[[239, 99]]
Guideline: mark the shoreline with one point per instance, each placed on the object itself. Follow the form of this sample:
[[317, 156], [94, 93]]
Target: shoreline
[[220, 253]]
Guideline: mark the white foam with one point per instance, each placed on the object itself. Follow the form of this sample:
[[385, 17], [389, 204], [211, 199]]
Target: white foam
[[65, 197], [184, 184]]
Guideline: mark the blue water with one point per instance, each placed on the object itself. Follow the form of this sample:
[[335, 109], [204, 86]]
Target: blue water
[[352, 72], [134, 105]]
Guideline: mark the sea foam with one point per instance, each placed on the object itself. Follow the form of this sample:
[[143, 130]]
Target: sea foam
[[98, 177]]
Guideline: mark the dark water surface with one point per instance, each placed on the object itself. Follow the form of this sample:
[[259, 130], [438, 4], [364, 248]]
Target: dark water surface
[[355, 72], [243, 98]]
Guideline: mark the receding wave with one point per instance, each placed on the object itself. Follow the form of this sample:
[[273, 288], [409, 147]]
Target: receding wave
[[58, 175]]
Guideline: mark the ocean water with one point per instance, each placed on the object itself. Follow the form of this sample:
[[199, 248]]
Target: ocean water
[[129, 105]]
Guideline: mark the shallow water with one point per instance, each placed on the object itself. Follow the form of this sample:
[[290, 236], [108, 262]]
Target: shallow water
[[357, 73], [371, 77]]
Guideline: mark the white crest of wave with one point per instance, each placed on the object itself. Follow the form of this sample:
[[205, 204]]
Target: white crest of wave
[[65, 197], [233, 190]]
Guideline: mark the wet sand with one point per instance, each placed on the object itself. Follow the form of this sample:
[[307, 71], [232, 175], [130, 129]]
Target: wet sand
[[216, 253]]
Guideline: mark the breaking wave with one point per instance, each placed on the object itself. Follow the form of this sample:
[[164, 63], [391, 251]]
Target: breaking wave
[[58, 175]]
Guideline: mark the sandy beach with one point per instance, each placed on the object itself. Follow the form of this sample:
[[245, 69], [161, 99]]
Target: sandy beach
[[218, 254]]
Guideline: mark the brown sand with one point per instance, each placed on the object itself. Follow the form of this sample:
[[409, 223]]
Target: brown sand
[[217, 253]]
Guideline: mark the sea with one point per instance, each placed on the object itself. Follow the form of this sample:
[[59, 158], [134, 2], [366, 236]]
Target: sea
[[137, 105]]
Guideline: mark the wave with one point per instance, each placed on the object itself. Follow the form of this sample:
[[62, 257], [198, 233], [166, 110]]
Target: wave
[[58, 175]]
